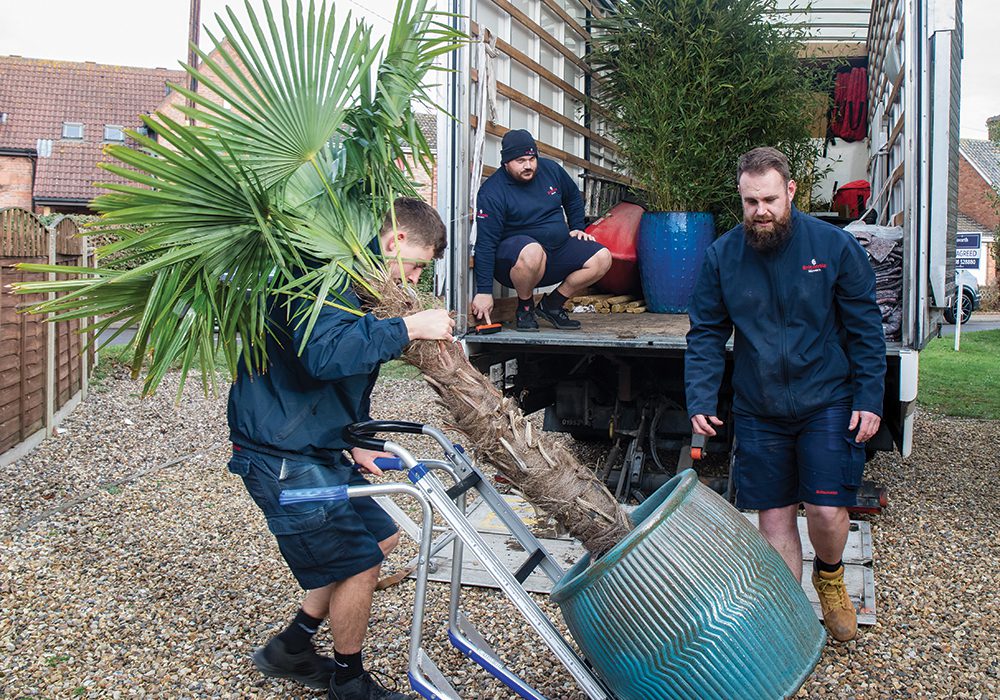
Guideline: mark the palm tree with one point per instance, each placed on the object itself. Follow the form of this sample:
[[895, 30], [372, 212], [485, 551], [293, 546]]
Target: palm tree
[[295, 160]]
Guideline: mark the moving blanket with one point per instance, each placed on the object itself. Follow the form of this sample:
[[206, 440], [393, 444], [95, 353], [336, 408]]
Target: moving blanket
[[884, 245]]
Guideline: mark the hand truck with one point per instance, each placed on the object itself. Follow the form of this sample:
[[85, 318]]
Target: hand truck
[[449, 503]]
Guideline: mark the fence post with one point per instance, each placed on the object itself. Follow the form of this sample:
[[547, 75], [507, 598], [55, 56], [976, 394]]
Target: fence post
[[50, 347], [84, 336]]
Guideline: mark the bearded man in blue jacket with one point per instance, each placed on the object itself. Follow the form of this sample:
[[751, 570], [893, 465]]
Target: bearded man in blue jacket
[[529, 233], [285, 425], [808, 370]]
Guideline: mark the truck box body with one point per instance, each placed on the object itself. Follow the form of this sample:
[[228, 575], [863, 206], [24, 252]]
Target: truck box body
[[622, 374]]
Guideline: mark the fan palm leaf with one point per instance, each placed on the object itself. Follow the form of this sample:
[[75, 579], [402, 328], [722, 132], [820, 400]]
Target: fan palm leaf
[[275, 192]]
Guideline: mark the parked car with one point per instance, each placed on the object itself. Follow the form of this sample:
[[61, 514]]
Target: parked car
[[970, 297]]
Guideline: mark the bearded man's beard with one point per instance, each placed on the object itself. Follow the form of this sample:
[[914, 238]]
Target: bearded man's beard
[[765, 237]]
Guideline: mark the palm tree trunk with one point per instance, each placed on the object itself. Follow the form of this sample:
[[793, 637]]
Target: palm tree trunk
[[546, 474]]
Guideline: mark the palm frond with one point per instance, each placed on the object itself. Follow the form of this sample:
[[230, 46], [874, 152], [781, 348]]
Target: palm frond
[[277, 192]]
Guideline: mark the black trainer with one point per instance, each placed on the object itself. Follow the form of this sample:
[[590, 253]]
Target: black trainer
[[364, 687], [307, 667], [557, 317], [525, 320]]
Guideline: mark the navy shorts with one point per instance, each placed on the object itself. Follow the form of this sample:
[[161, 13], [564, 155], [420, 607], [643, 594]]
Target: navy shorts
[[322, 541], [811, 460], [560, 262]]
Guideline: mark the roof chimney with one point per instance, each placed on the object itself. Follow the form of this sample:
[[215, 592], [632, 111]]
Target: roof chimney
[[993, 128]]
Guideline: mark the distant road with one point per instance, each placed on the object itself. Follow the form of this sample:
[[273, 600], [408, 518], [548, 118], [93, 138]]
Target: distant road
[[978, 322], [125, 336]]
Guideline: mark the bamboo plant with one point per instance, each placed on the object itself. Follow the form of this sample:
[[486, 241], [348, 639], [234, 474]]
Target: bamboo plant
[[689, 85], [293, 157]]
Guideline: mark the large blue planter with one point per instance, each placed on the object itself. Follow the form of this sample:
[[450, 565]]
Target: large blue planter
[[693, 603], [671, 248]]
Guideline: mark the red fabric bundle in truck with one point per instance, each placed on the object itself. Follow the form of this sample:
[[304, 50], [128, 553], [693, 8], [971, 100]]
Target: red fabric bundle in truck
[[852, 198], [617, 231], [849, 120]]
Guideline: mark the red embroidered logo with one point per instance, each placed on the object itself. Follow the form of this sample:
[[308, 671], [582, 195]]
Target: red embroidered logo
[[552, 190], [827, 493], [813, 266], [482, 215]]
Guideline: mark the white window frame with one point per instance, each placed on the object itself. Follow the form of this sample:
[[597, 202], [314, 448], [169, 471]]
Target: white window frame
[[66, 133], [119, 129]]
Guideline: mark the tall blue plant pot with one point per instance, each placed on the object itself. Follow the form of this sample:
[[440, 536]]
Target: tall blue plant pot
[[693, 603], [671, 248]]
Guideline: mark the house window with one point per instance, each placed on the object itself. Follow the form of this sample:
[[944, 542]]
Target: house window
[[113, 133], [72, 130], [146, 131]]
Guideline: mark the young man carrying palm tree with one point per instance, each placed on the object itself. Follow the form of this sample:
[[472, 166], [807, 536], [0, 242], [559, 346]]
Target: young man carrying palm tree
[[285, 425]]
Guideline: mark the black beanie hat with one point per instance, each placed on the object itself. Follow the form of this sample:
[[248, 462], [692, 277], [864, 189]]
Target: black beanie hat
[[515, 144]]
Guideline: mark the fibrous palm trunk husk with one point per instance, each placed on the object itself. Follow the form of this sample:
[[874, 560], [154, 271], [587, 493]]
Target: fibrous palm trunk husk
[[548, 476]]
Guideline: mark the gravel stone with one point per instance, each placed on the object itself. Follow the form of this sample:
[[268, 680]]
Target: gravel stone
[[132, 564]]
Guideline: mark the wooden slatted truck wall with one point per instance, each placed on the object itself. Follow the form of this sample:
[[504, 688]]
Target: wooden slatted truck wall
[[44, 369], [623, 377]]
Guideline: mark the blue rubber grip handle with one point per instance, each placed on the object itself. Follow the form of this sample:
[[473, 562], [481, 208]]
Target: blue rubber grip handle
[[327, 493], [389, 464]]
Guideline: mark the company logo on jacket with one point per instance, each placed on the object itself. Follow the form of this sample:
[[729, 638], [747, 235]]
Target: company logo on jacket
[[482, 215], [814, 266], [552, 190]]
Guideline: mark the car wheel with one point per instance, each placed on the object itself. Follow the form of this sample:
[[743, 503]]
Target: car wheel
[[950, 314], [966, 307]]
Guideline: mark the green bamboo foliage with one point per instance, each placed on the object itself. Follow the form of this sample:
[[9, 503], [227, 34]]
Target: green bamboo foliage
[[277, 191], [692, 84]]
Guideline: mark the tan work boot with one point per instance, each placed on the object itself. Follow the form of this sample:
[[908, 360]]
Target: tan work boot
[[838, 611]]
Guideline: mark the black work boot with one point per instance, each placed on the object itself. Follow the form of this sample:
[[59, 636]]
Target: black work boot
[[557, 316], [364, 687], [525, 320], [307, 667]]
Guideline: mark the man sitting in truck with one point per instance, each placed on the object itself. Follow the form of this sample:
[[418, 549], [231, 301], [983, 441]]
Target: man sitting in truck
[[523, 240], [808, 370]]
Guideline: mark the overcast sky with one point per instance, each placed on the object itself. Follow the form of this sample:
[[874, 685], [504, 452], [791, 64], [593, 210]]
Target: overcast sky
[[150, 34]]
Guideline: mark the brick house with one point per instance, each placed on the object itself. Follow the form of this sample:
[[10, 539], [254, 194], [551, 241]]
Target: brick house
[[427, 184], [978, 176], [56, 117]]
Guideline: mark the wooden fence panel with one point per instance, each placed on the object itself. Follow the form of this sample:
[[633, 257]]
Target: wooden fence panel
[[22, 360], [69, 372], [33, 385]]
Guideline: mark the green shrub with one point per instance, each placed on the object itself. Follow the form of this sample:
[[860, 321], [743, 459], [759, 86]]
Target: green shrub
[[990, 298]]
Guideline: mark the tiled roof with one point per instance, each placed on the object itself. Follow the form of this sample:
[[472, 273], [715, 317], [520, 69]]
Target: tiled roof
[[428, 125], [967, 224], [984, 156], [38, 95]]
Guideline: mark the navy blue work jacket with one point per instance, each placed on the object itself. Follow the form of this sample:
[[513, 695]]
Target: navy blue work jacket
[[547, 208], [808, 333], [298, 407]]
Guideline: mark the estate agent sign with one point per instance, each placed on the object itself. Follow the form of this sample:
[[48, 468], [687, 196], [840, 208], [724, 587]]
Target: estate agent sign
[[967, 247]]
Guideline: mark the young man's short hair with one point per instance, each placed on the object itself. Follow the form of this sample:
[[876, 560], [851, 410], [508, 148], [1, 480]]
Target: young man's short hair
[[420, 221], [759, 160]]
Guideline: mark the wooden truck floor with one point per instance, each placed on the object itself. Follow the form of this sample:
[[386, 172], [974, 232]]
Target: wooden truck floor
[[619, 330]]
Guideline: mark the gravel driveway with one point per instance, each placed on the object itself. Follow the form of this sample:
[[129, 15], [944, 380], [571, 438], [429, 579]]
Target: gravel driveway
[[132, 564]]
